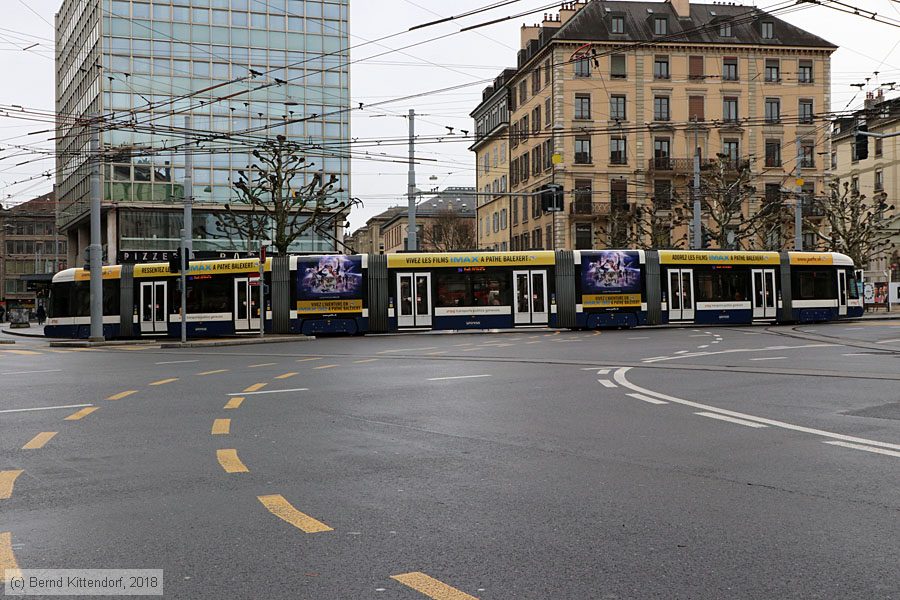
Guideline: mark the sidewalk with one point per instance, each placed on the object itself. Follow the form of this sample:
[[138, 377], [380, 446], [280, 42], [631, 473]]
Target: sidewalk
[[881, 314], [33, 331]]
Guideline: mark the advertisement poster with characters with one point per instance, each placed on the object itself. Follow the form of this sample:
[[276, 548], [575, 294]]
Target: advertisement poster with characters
[[610, 278], [329, 284]]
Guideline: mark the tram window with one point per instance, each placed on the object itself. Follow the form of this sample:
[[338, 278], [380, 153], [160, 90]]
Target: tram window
[[472, 289], [60, 294], [722, 286], [210, 295], [80, 299], [817, 284], [111, 298], [853, 289]]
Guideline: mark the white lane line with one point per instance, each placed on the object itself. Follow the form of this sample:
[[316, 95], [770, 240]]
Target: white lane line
[[30, 372], [770, 358], [606, 383], [603, 372], [270, 392], [860, 354], [715, 341], [682, 351], [176, 362], [647, 399], [638, 338], [14, 410], [866, 448], [456, 377], [736, 350], [408, 350], [888, 341], [704, 346], [730, 419], [619, 376], [700, 335]]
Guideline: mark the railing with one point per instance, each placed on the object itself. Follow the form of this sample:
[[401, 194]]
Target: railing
[[686, 165], [589, 209]]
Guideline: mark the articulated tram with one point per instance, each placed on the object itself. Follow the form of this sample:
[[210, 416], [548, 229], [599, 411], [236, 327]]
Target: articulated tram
[[357, 294]]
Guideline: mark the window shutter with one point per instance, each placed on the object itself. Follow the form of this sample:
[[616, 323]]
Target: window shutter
[[695, 108], [696, 67]]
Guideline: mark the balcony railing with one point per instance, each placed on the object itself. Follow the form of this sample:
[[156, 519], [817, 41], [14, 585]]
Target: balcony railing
[[686, 165], [589, 209]]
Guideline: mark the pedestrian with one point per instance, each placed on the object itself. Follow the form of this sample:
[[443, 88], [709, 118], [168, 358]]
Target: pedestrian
[[41, 315], [2, 313]]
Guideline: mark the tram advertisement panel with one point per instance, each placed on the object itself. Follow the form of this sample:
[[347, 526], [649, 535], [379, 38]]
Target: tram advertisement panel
[[610, 278], [329, 284]]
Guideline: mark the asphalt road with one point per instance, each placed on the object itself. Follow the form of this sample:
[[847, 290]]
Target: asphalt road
[[653, 463]]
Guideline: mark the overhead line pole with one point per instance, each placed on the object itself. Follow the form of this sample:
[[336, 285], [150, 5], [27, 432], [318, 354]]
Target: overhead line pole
[[186, 232], [95, 250], [798, 206], [411, 241], [698, 237]]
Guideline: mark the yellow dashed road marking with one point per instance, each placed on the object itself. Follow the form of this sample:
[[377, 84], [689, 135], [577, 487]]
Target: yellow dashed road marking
[[213, 372], [309, 359], [234, 402], [431, 587], [22, 352], [164, 381], [121, 395], [230, 461], [255, 387], [365, 360], [7, 480], [39, 441], [82, 413], [134, 347], [221, 427], [286, 376], [8, 565], [282, 509], [326, 367]]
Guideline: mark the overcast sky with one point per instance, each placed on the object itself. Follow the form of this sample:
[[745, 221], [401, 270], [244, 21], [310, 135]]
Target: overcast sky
[[464, 58]]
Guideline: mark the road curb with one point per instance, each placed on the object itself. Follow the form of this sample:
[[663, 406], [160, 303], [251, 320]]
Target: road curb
[[238, 342], [88, 344], [22, 333]]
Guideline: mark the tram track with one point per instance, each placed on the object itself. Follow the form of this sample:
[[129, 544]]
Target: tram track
[[796, 333]]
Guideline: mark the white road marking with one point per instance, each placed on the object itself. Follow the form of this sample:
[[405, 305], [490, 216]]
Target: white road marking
[[866, 448], [603, 372], [619, 376], [606, 383], [638, 338], [30, 372], [647, 399], [176, 362], [715, 341], [888, 341], [456, 377], [730, 419], [736, 350], [682, 351], [770, 358], [14, 410], [704, 346], [859, 354], [408, 350], [701, 335], [269, 392]]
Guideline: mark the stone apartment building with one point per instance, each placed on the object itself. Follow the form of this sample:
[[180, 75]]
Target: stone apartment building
[[454, 203], [609, 99], [492, 173], [32, 251], [879, 173]]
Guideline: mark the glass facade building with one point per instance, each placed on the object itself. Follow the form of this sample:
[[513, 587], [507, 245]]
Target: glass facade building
[[243, 70]]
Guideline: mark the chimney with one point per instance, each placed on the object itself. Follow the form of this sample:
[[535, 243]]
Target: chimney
[[528, 33], [870, 101], [682, 8]]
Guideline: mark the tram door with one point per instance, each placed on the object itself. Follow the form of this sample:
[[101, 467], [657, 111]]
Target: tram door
[[154, 307], [530, 292], [414, 299], [842, 292], [246, 304], [681, 295], [764, 293]]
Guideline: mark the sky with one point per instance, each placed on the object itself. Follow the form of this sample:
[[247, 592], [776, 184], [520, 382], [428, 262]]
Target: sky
[[416, 63]]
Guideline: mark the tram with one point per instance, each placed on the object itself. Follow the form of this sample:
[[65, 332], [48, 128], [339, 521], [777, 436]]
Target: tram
[[358, 294]]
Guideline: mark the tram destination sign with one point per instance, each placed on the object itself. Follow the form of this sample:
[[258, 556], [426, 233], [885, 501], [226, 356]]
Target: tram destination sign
[[131, 257]]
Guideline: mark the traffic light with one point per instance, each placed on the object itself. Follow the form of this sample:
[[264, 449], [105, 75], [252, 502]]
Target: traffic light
[[552, 197], [175, 262], [707, 238], [862, 142]]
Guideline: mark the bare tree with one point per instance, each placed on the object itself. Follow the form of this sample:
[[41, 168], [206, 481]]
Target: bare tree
[[726, 191], [858, 227], [449, 231], [648, 226], [276, 201]]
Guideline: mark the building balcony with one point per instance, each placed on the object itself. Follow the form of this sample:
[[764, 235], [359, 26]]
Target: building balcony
[[686, 165], [589, 209]]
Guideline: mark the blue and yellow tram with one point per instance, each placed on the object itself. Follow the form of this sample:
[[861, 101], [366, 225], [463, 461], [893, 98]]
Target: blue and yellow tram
[[584, 289]]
